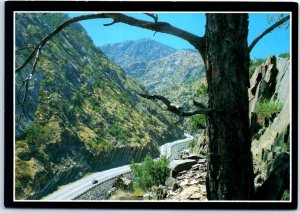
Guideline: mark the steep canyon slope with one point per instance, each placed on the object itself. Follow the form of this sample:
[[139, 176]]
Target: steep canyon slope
[[81, 112]]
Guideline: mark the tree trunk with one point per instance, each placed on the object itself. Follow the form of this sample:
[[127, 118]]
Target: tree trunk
[[230, 169]]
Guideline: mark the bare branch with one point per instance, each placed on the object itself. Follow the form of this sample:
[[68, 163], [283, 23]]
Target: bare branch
[[109, 24], [173, 108], [27, 60], [154, 16], [163, 27], [268, 30], [25, 82], [37, 56]]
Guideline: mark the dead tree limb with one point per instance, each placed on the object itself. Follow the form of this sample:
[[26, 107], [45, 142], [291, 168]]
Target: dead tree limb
[[268, 30], [173, 108]]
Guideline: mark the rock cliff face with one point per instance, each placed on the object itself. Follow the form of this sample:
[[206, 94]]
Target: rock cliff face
[[80, 113], [271, 131]]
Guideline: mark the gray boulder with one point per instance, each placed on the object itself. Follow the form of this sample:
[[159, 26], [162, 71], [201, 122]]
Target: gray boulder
[[169, 181], [177, 166]]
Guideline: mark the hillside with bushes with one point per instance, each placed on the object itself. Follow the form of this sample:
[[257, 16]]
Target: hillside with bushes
[[163, 70], [79, 113]]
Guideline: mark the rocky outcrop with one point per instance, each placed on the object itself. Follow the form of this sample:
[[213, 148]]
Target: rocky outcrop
[[177, 166], [202, 143], [123, 183], [187, 184], [263, 82], [271, 136]]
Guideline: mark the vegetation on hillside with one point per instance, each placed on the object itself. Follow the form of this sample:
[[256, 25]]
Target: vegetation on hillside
[[76, 99], [284, 55], [175, 74], [150, 172], [192, 144], [198, 122], [267, 108]]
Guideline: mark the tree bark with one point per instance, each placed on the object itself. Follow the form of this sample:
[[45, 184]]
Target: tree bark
[[230, 169]]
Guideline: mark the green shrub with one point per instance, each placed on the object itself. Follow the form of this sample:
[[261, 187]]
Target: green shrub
[[266, 108], [198, 121], [150, 173], [118, 132], [192, 144], [34, 133], [202, 89], [284, 55], [98, 145], [37, 134]]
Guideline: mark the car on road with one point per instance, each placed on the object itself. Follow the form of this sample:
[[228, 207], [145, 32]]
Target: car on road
[[94, 181]]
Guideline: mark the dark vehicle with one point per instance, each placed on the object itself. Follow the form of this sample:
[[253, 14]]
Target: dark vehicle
[[94, 181]]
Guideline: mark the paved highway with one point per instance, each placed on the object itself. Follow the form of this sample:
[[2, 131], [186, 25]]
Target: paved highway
[[74, 189], [171, 150]]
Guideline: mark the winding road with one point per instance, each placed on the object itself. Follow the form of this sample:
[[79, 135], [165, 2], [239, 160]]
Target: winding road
[[172, 149], [79, 187]]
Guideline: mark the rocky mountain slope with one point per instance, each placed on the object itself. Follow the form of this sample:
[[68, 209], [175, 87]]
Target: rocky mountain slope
[[133, 56], [270, 112], [175, 74], [80, 113]]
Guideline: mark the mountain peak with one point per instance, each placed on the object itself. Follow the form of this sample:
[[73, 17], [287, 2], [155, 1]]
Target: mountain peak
[[136, 42], [132, 52]]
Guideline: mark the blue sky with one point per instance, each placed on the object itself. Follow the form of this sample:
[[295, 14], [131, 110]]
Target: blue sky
[[274, 43]]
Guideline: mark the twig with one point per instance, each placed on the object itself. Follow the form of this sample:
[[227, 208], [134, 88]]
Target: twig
[[154, 16]]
